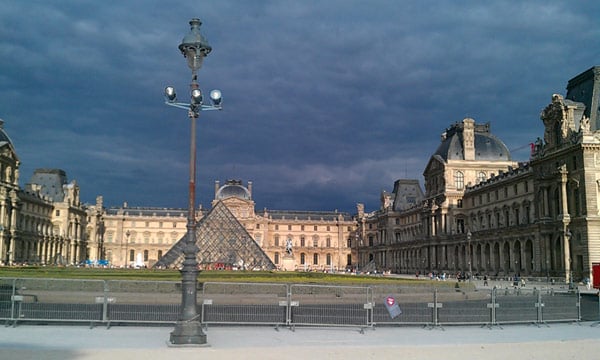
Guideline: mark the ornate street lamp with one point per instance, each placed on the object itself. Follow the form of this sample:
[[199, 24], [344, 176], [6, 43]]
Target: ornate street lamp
[[188, 329]]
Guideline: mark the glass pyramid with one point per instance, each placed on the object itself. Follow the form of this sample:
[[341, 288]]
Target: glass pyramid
[[222, 242]]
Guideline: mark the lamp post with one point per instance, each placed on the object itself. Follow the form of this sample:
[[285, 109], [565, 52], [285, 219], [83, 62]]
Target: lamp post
[[126, 249], [194, 47], [469, 236]]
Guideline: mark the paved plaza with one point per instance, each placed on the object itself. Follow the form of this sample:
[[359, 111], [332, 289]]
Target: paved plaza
[[556, 341]]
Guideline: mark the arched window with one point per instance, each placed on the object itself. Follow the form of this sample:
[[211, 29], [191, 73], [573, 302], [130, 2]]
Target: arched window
[[459, 180], [328, 259], [302, 259], [316, 259], [145, 255], [481, 177], [276, 240], [276, 258]]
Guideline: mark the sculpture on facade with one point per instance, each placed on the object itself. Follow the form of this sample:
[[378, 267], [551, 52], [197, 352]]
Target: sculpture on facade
[[288, 247], [584, 127]]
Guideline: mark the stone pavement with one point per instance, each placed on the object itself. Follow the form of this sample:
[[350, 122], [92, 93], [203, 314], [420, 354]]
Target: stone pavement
[[556, 341]]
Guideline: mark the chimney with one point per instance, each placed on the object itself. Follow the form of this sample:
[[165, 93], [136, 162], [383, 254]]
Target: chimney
[[250, 188], [469, 138], [217, 186]]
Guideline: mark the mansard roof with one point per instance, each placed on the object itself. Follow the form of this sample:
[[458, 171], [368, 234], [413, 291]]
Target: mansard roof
[[487, 146], [147, 211], [308, 215], [233, 188]]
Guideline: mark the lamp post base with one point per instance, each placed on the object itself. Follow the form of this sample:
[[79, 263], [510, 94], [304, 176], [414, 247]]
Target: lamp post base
[[188, 333]]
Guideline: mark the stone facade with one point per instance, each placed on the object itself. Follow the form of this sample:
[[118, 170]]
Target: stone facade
[[320, 239], [42, 223], [485, 214]]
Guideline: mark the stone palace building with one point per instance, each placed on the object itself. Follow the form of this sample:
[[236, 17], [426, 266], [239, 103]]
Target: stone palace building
[[320, 239], [480, 212]]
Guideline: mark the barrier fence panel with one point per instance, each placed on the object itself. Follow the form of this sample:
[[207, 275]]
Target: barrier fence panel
[[325, 305], [560, 306], [464, 307], [142, 301], [413, 303], [244, 303], [516, 305], [7, 292], [46, 300], [589, 306]]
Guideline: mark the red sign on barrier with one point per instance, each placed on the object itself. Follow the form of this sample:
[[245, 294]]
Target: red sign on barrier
[[596, 275]]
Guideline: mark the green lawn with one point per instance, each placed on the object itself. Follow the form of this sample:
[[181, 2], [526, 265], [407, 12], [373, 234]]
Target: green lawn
[[204, 276]]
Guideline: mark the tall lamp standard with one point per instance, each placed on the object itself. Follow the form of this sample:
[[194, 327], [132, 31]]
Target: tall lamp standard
[[188, 329], [469, 236]]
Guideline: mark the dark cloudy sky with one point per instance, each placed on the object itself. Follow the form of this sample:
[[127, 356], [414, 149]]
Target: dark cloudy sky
[[326, 102]]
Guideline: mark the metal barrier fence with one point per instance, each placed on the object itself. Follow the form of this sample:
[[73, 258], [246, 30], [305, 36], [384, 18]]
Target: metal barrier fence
[[244, 303], [325, 305], [112, 302]]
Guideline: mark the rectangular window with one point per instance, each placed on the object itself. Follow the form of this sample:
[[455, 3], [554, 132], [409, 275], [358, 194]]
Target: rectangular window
[[316, 228], [460, 226], [459, 180], [289, 227]]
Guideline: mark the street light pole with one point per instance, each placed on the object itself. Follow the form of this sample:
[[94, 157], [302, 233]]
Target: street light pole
[[469, 235], [188, 328]]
